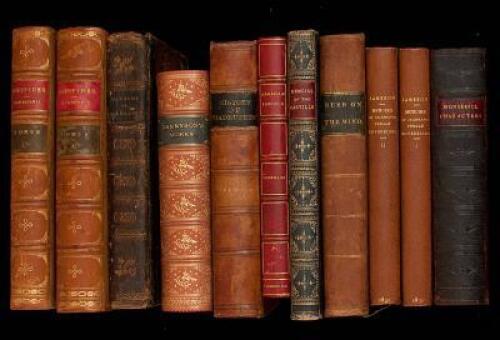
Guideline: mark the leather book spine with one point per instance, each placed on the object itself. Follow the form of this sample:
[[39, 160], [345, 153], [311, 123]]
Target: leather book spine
[[184, 167], [32, 168], [383, 175], [302, 71], [344, 174], [81, 172], [128, 90], [274, 206], [459, 176], [415, 158], [235, 180]]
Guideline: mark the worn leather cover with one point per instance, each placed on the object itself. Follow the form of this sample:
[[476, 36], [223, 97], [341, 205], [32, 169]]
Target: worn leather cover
[[274, 208], [415, 157], [81, 171], [383, 175], [235, 180], [129, 125], [304, 176], [184, 155], [344, 174], [459, 165], [32, 168]]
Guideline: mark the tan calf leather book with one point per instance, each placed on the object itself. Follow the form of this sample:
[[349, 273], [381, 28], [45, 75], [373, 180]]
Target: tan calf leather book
[[81, 180], [32, 168], [383, 175], [344, 174], [415, 157], [235, 180], [184, 166]]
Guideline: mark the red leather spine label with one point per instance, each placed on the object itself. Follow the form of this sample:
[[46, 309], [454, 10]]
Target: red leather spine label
[[30, 95], [462, 111], [274, 167], [302, 99], [79, 96]]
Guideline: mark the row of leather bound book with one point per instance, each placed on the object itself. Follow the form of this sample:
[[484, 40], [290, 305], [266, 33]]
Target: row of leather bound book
[[297, 167]]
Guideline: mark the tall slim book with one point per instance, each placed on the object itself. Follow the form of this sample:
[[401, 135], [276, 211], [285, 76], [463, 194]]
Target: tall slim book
[[459, 176], [184, 167], [415, 158], [235, 186], [32, 168], [302, 72], [274, 206], [383, 175], [344, 174], [81, 171]]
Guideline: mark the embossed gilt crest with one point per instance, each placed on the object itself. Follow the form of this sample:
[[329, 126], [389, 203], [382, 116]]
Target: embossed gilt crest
[[304, 191], [186, 92], [305, 283], [187, 167], [123, 64], [303, 145], [188, 242], [304, 238], [183, 205], [302, 55]]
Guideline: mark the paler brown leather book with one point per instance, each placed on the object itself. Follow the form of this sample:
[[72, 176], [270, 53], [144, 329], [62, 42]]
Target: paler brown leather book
[[344, 174], [184, 166], [415, 160], [383, 175], [235, 180], [81, 171], [32, 168]]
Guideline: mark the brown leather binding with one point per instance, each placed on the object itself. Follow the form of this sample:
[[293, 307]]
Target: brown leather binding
[[32, 168], [235, 180], [344, 182], [415, 156], [183, 106], [81, 185], [383, 175]]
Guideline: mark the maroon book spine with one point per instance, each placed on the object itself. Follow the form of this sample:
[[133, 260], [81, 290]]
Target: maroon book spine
[[274, 167]]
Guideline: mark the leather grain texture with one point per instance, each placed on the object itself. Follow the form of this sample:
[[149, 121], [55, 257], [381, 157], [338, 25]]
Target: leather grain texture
[[304, 187], [344, 174], [32, 168], [81, 171], [235, 180], [129, 126], [415, 158], [459, 165], [184, 166], [274, 206], [383, 175]]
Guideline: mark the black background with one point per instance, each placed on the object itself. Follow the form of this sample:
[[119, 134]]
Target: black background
[[189, 26]]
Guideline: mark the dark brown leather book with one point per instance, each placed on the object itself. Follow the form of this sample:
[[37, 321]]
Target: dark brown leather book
[[344, 174], [184, 156], [415, 157], [81, 171], [383, 175], [32, 168], [128, 80], [235, 180], [305, 269], [459, 176], [274, 207]]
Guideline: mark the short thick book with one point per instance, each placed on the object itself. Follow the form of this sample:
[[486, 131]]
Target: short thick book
[[131, 63], [81, 171], [235, 186], [459, 176], [302, 71], [273, 114], [415, 157], [344, 174], [383, 175], [184, 167], [32, 168]]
